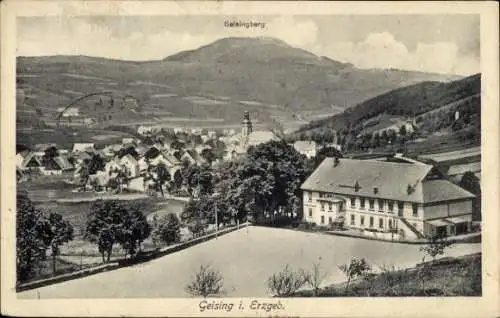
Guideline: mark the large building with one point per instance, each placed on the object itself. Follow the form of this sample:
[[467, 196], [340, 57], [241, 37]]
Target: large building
[[253, 138], [399, 200]]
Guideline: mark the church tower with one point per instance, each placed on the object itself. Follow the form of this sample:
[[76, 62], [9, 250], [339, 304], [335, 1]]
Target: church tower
[[246, 128]]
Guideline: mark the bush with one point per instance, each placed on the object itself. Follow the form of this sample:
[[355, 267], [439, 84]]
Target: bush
[[286, 282], [206, 282]]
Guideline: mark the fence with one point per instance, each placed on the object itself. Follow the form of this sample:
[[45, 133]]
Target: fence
[[126, 262]]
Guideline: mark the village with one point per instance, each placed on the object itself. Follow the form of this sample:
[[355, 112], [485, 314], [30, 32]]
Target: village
[[340, 193]]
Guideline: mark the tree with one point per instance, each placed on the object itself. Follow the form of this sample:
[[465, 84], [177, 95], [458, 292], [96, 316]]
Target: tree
[[315, 278], [49, 154], [61, 231], [195, 227], [471, 183], [161, 177], [376, 140], [96, 163], [167, 229], [206, 282], [286, 282], [32, 238], [209, 155], [356, 268], [391, 134], [384, 138], [269, 175], [112, 222], [435, 246], [402, 132]]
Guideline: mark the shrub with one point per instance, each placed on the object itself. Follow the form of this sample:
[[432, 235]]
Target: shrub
[[286, 282], [206, 282]]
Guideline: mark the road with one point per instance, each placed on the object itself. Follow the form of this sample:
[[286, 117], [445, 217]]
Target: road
[[246, 258]]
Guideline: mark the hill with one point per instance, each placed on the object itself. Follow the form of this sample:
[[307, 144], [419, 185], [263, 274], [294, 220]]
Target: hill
[[216, 82], [430, 106]]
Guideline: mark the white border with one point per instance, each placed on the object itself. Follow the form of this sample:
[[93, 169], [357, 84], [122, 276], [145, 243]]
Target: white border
[[485, 306]]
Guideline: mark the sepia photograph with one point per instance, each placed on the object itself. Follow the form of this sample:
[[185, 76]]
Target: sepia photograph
[[244, 160]]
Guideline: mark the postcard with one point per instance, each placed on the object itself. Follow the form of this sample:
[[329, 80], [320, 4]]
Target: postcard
[[227, 159]]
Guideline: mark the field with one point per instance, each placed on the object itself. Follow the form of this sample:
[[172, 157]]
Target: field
[[65, 138], [245, 258]]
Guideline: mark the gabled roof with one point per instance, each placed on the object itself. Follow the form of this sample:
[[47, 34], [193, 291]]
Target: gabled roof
[[443, 190], [130, 158], [390, 179], [28, 158], [63, 163], [304, 145], [461, 169], [260, 137], [82, 146], [170, 157]]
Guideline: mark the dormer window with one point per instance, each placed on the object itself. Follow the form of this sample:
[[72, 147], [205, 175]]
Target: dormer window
[[409, 189], [375, 190], [356, 186]]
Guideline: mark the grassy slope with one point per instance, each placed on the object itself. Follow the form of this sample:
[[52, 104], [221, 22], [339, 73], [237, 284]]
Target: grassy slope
[[447, 277], [265, 70], [412, 100]]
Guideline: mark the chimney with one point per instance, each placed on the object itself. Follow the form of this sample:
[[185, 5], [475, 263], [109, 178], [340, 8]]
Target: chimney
[[375, 190], [409, 189], [356, 186]]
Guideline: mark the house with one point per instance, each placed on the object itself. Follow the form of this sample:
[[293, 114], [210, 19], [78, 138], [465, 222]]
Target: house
[[82, 147], [131, 164], [211, 134], [112, 166], [57, 166], [191, 157], [127, 141], [144, 130], [27, 160], [306, 148], [393, 199], [199, 148]]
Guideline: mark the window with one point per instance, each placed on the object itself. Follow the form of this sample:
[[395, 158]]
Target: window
[[322, 219], [309, 196], [381, 223], [362, 220], [341, 206], [380, 205], [329, 206], [390, 205], [330, 221], [371, 221], [372, 204], [310, 212], [352, 219], [353, 202], [322, 206], [400, 208], [390, 224], [320, 195], [415, 209], [362, 203]]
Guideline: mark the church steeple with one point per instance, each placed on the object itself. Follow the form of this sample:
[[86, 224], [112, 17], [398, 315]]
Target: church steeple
[[246, 128]]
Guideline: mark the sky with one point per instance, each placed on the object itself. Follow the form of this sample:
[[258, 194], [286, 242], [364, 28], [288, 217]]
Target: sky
[[430, 43]]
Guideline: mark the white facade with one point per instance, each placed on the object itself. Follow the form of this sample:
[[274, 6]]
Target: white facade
[[406, 220], [131, 165]]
